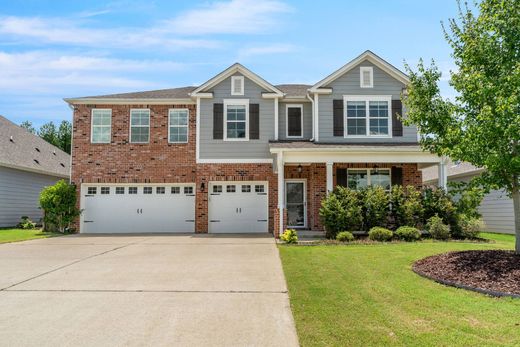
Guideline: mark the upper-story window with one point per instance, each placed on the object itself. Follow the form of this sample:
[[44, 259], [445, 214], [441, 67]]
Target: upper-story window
[[367, 116], [178, 125], [101, 125], [140, 125], [236, 127], [237, 85], [366, 77], [294, 121]]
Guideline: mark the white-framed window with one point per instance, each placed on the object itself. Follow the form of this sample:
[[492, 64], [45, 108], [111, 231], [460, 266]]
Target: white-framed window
[[120, 190], [105, 190], [132, 190], [236, 120], [101, 125], [259, 188], [147, 190], [188, 190], [176, 190], [231, 188], [139, 125], [246, 188], [91, 190], [366, 77], [237, 85], [361, 178], [367, 116], [160, 190], [294, 121], [178, 119], [217, 189]]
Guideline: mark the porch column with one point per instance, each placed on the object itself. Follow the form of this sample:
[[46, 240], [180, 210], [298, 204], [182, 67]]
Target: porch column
[[443, 174], [330, 179], [281, 191]]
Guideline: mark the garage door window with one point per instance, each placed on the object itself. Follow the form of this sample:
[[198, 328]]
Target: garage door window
[[259, 188], [188, 190], [132, 190], [246, 188], [105, 190], [160, 190], [91, 190], [147, 190], [217, 189], [231, 188], [120, 190], [176, 190]]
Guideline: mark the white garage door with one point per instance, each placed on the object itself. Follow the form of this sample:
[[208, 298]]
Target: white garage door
[[138, 208], [238, 207]]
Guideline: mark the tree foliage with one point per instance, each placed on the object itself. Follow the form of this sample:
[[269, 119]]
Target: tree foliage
[[59, 136], [59, 204], [482, 124]]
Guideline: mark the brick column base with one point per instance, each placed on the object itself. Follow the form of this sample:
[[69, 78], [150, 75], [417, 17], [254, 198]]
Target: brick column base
[[276, 219]]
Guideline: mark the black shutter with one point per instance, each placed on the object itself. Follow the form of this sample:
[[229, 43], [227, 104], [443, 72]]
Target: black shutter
[[254, 121], [294, 121], [338, 117], [397, 176], [397, 125], [341, 177], [218, 121]]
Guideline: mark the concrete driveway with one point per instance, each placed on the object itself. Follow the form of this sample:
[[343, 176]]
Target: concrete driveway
[[175, 290]]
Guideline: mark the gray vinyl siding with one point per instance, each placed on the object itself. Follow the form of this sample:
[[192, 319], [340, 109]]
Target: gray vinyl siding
[[307, 120], [19, 195], [252, 149], [348, 84]]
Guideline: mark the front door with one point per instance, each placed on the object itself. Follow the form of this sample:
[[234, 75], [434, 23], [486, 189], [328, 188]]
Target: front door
[[296, 204]]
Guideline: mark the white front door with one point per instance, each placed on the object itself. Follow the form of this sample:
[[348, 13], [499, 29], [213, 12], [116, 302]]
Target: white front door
[[238, 207], [138, 208], [296, 203]]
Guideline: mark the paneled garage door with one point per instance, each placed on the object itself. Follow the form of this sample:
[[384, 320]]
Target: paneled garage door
[[238, 207], [140, 208]]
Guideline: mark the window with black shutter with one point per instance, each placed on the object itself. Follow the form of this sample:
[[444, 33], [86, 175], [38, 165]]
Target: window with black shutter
[[294, 121]]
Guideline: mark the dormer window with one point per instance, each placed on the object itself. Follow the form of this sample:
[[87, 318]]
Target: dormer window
[[237, 85], [366, 77]]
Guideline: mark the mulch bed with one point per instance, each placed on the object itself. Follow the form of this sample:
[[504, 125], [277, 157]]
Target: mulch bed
[[492, 272]]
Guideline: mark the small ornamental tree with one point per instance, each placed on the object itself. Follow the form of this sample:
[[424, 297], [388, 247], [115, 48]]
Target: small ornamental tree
[[482, 125], [59, 204]]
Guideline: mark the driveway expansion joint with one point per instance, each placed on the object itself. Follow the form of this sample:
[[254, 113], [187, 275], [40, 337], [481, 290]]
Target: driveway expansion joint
[[150, 291]]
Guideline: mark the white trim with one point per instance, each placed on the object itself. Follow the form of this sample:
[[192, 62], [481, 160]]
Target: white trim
[[197, 131], [36, 171], [367, 99], [187, 126], [329, 172], [92, 125], [128, 101], [304, 182], [287, 107], [138, 126], [276, 119], [281, 191], [362, 70], [316, 124], [371, 57], [238, 102], [369, 174], [235, 161], [301, 157], [234, 80]]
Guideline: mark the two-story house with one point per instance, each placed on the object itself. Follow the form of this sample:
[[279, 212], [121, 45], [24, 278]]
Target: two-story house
[[238, 154]]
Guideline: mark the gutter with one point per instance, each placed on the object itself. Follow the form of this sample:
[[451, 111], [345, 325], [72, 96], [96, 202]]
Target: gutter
[[312, 113]]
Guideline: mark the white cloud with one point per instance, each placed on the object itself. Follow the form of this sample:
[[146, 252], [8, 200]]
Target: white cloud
[[230, 17], [268, 49]]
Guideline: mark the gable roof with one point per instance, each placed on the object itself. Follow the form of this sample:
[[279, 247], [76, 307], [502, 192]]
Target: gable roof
[[237, 67], [19, 149], [371, 57]]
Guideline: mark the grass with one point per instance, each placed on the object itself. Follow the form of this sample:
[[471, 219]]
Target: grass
[[15, 234], [367, 295]]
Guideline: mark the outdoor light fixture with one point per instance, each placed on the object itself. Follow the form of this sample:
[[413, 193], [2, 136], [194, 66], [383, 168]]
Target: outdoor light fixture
[[202, 186], [300, 168]]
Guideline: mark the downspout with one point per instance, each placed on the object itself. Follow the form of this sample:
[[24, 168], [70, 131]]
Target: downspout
[[312, 113], [73, 108]]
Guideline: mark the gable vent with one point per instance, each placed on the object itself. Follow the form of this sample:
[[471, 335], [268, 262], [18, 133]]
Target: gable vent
[[36, 161], [366, 77], [237, 85]]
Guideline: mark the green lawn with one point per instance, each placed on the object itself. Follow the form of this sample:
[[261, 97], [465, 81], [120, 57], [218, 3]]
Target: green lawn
[[13, 234], [367, 295]]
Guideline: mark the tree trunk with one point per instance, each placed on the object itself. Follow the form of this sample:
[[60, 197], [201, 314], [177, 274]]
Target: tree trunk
[[516, 209]]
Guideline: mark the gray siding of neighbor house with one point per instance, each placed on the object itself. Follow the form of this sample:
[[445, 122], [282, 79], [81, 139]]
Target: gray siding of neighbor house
[[307, 120], [252, 149], [19, 195], [348, 84]]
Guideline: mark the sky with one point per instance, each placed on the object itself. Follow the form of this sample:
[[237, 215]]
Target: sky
[[50, 50]]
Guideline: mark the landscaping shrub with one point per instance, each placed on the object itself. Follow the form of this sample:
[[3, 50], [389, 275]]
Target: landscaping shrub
[[380, 234], [437, 202], [470, 227], [437, 229], [375, 207], [289, 236], [345, 236], [26, 223], [341, 210], [59, 203], [466, 197], [408, 233], [412, 208], [397, 199]]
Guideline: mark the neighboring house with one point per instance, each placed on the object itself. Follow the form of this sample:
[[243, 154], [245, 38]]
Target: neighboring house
[[27, 165], [496, 207], [238, 154]]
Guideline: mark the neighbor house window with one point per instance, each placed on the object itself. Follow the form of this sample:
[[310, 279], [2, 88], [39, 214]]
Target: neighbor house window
[[367, 116], [139, 125], [294, 120], [178, 126], [237, 85], [101, 125], [366, 77], [236, 119], [361, 178]]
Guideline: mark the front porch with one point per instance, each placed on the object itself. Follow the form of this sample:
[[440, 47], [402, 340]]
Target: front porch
[[306, 175]]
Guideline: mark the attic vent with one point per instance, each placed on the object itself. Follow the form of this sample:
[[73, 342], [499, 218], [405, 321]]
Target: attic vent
[[237, 85], [37, 149], [62, 165], [36, 161], [11, 139], [366, 77]]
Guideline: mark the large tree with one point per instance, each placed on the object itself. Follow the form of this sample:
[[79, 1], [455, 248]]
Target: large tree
[[482, 124], [60, 136]]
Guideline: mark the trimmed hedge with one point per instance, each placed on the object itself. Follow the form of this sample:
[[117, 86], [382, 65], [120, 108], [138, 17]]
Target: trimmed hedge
[[380, 234], [408, 233]]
